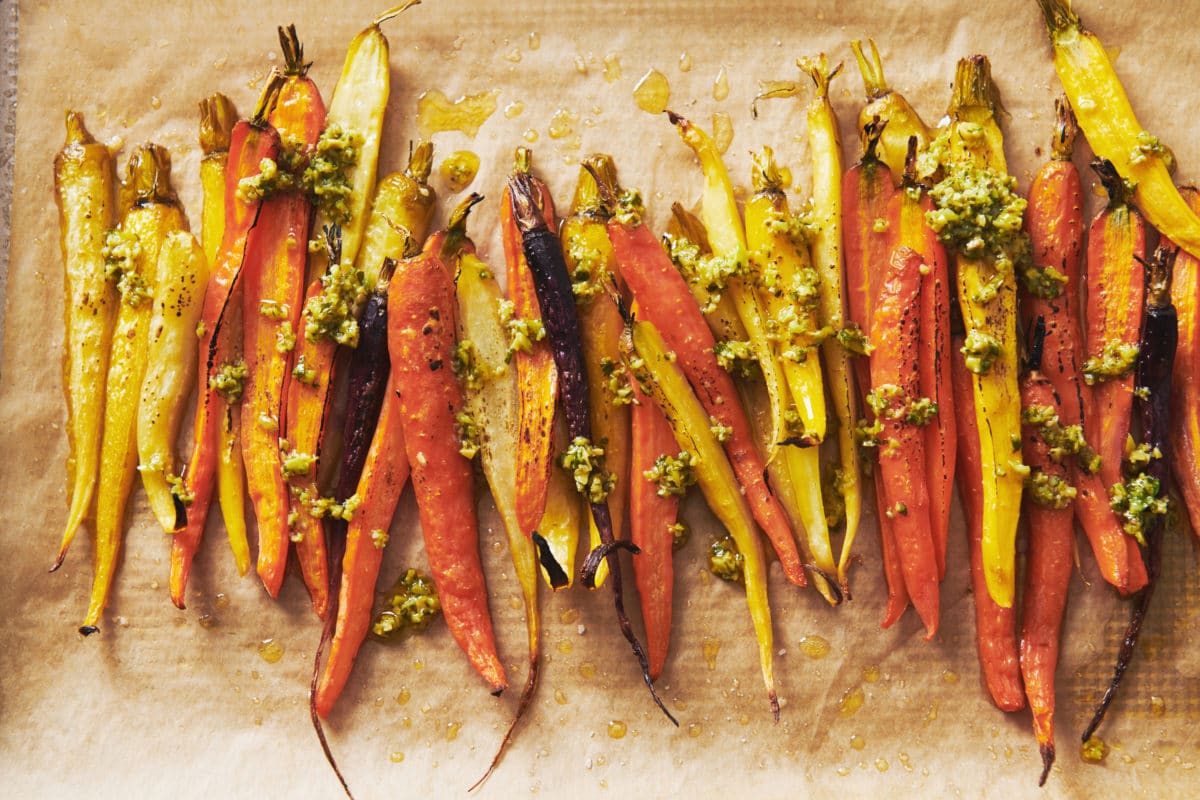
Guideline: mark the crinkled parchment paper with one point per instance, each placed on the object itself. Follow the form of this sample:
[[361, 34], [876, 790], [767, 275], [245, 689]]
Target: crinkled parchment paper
[[160, 705]]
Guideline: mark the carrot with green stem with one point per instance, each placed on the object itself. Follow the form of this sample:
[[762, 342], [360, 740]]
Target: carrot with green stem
[[791, 294], [83, 190], [132, 262], [667, 303], [995, 626], [661, 375], [1115, 290], [900, 413], [907, 213], [401, 212], [979, 215], [252, 143], [1185, 386], [887, 109], [1048, 504], [1050, 289], [583, 459], [421, 341], [273, 291]]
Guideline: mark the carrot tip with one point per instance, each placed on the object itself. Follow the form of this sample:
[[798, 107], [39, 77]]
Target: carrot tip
[[88, 630], [1047, 762]]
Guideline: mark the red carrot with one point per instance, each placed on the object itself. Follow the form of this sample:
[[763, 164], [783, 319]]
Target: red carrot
[[421, 340], [1185, 387], [900, 413], [652, 516]]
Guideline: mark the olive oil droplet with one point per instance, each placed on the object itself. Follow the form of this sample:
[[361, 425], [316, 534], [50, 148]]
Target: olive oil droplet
[[587, 670], [685, 62], [562, 124], [617, 729], [871, 674], [612, 68], [514, 109], [569, 616], [560, 697], [814, 646], [452, 729], [695, 730], [535, 40], [857, 742], [710, 648], [531, 136], [403, 696], [396, 757], [270, 650], [721, 85], [851, 701], [652, 92], [459, 169], [436, 113]]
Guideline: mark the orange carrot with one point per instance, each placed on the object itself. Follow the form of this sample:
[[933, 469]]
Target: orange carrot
[[421, 340], [1049, 561], [537, 377], [652, 517], [252, 142], [995, 626], [1050, 290], [383, 478], [1115, 287], [893, 573], [668, 304], [273, 286], [907, 227], [900, 412]]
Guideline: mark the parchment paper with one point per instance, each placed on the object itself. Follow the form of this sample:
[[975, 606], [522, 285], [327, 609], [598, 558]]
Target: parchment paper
[[160, 705]]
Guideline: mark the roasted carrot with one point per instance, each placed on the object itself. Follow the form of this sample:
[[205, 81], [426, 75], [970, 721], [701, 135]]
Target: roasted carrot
[[1143, 500], [653, 516], [329, 319], [900, 412], [83, 189], [1112, 130], [251, 143], [686, 240], [978, 213], [887, 109], [384, 474], [667, 304], [658, 371], [182, 274], [907, 226], [537, 377], [1050, 289], [1185, 386], [421, 340], [589, 258], [400, 214], [273, 292], [790, 292], [825, 149], [1115, 289], [131, 259], [490, 383], [1049, 499], [995, 625]]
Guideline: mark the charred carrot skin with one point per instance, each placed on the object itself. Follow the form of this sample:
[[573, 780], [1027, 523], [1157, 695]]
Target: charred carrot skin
[[995, 626], [1048, 563], [384, 475], [1050, 290], [651, 517], [897, 402], [907, 211], [251, 143], [1115, 290], [273, 286], [421, 336], [1185, 387], [667, 303], [537, 376]]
